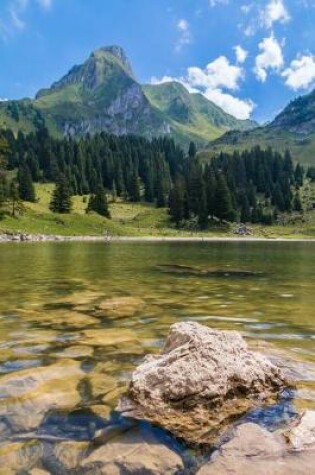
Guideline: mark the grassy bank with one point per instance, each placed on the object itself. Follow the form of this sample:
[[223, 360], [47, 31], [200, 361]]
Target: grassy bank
[[130, 219]]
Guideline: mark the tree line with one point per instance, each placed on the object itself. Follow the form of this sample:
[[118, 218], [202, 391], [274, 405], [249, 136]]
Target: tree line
[[252, 186]]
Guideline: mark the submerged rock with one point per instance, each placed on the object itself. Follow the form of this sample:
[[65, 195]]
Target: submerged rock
[[120, 306], [18, 456], [61, 317], [27, 395], [254, 450], [208, 272], [302, 435], [202, 380], [133, 452], [107, 336], [75, 352], [71, 453]]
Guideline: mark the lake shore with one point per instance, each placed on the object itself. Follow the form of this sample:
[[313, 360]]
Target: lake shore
[[25, 237]]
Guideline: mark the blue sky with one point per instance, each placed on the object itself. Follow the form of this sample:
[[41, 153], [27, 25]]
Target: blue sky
[[249, 56]]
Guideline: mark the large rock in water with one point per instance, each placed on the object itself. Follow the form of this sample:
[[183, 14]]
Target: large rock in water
[[202, 380]]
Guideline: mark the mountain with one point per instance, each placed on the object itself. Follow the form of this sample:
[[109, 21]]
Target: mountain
[[293, 129], [192, 114], [102, 94]]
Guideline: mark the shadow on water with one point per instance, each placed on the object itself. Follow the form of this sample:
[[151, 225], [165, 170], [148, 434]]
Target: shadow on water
[[183, 271]]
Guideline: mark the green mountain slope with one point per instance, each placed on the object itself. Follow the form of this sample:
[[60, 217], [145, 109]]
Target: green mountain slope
[[192, 114], [102, 94], [293, 129]]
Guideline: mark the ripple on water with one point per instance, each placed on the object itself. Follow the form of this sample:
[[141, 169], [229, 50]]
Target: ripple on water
[[216, 318]]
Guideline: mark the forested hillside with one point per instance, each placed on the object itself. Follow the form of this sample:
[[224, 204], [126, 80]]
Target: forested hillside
[[253, 186], [293, 129]]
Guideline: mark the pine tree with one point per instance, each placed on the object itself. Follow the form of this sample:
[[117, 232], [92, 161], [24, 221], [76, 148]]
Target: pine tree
[[98, 202], [223, 202], [299, 175], [61, 200], [245, 208], [277, 198], [134, 190], [311, 173], [192, 150], [297, 202], [203, 210], [210, 185], [25, 184], [176, 203], [14, 198]]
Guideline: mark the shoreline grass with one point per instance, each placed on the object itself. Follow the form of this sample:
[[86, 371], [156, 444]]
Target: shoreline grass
[[134, 220]]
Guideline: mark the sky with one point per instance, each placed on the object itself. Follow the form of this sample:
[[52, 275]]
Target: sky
[[250, 57]]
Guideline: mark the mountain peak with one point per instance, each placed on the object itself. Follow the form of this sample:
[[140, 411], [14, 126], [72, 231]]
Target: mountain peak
[[117, 52], [298, 116], [101, 64]]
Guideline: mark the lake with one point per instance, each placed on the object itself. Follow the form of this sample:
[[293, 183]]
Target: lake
[[76, 318]]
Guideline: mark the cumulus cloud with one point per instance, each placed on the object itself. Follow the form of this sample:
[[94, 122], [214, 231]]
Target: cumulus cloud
[[217, 81], [274, 12], [239, 108], [219, 73], [241, 54], [301, 72], [263, 15], [185, 36], [270, 58]]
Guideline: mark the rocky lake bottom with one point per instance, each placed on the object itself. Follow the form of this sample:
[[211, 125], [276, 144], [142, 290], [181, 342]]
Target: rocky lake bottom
[[77, 318]]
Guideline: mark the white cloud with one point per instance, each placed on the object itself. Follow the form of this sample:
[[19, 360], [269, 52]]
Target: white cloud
[[219, 73], [301, 72], [275, 11], [3, 99], [263, 14], [12, 20], [16, 21], [239, 108], [270, 58], [183, 25], [246, 8], [215, 82], [45, 3], [241, 54], [185, 36], [214, 3]]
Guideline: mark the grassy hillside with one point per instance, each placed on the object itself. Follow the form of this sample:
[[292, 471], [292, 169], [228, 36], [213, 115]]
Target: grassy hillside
[[138, 219], [19, 115], [302, 147], [191, 114], [293, 129]]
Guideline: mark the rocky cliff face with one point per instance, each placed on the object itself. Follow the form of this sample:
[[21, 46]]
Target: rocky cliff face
[[128, 113]]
